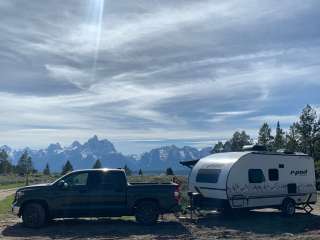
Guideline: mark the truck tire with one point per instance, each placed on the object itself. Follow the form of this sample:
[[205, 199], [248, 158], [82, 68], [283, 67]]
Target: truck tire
[[33, 215], [288, 207], [147, 212]]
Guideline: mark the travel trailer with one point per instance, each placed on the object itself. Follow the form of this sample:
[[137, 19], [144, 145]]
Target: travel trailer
[[253, 179]]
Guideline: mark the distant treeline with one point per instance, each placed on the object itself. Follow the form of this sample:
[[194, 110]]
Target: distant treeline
[[302, 136]]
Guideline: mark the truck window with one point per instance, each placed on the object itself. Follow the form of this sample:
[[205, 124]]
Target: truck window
[[273, 174], [107, 181], [77, 179], [256, 176], [208, 175], [94, 180], [114, 181]]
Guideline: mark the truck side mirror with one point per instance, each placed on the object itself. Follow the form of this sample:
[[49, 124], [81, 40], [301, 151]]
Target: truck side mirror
[[63, 185]]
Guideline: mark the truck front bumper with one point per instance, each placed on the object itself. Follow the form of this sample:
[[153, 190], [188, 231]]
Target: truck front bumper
[[15, 209]]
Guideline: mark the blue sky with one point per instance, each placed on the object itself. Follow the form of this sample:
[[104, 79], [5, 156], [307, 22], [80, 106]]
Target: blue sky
[[149, 73]]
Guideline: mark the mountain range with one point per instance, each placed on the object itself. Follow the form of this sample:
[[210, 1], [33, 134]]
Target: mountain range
[[84, 155]]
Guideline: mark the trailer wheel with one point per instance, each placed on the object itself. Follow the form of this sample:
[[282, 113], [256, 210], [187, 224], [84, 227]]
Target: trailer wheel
[[33, 215], [147, 212], [288, 207]]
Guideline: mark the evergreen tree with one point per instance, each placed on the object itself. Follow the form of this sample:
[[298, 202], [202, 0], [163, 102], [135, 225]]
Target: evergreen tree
[[309, 129], [292, 139], [67, 168], [238, 140], [24, 166], [140, 172], [279, 139], [5, 165], [97, 164], [218, 147], [127, 170], [264, 136], [169, 172], [245, 139], [46, 170], [227, 146]]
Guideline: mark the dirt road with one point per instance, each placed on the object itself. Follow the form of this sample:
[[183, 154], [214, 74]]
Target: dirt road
[[254, 225], [6, 192]]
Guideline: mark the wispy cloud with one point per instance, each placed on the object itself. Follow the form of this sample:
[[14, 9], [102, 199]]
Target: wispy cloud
[[80, 78], [285, 119]]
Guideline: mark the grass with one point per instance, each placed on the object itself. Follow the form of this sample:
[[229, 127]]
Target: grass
[[5, 206], [12, 181], [11, 185]]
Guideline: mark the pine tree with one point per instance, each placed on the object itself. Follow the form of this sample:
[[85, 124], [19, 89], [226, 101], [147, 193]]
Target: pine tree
[[169, 172], [97, 164], [279, 139], [127, 170], [264, 137], [25, 166], [238, 140], [227, 146], [308, 128], [5, 165], [140, 172], [67, 168], [218, 148], [292, 139], [46, 170]]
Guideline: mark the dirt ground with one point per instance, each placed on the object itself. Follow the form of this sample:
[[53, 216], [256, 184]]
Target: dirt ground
[[264, 224], [7, 192]]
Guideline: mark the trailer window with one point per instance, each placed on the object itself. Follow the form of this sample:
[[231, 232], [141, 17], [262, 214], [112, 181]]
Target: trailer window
[[273, 174], [208, 175], [255, 176]]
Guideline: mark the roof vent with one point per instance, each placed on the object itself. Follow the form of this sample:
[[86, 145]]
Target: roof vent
[[285, 151], [255, 147]]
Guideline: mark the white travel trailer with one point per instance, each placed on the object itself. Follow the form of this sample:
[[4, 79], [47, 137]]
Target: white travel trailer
[[253, 179]]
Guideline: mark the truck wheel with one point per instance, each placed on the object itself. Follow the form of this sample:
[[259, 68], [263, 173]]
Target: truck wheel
[[288, 207], [33, 215], [147, 213]]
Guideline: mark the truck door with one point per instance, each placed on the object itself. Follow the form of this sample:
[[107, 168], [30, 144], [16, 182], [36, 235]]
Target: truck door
[[72, 199], [107, 192]]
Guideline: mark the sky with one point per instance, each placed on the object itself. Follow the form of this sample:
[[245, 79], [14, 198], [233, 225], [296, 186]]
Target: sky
[[150, 73]]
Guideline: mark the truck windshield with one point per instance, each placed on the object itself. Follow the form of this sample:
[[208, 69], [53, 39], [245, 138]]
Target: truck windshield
[[208, 175]]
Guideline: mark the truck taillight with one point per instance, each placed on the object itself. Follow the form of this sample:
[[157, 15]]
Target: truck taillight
[[177, 194]]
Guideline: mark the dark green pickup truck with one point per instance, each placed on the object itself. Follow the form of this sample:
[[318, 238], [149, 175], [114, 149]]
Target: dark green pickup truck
[[95, 193]]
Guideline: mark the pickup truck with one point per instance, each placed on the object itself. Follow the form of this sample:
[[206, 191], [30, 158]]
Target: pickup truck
[[95, 193]]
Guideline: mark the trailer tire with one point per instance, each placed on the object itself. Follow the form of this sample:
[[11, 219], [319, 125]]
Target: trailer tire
[[288, 207], [147, 212], [34, 215]]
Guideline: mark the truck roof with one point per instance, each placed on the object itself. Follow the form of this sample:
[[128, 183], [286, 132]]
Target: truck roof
[[100, 170]]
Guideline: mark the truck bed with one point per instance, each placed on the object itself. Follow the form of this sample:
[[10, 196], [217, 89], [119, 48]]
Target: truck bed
[[162, 193]]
